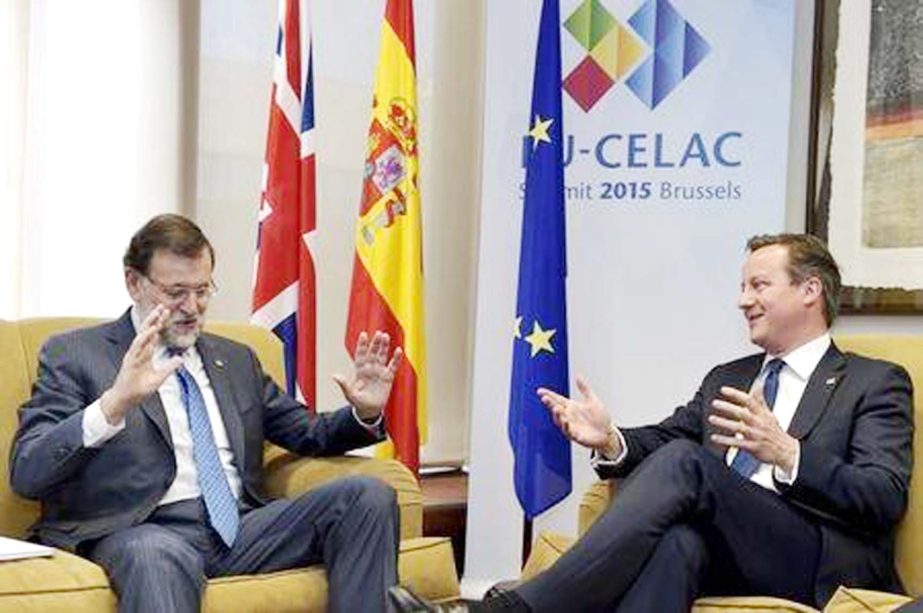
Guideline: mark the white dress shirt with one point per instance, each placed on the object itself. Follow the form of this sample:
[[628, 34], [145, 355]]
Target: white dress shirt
[[800, 364]]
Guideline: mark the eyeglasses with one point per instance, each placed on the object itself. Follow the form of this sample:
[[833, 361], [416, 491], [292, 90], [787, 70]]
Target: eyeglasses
[[178, 294]]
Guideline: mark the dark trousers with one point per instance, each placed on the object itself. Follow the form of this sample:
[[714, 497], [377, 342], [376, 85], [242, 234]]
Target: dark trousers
[[682, 526], [350, 525]]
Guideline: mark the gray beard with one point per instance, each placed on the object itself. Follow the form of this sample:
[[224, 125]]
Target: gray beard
[[178, 341]]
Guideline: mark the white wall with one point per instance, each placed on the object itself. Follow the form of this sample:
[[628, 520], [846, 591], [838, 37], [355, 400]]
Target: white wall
[[14, 32], [95, 146]]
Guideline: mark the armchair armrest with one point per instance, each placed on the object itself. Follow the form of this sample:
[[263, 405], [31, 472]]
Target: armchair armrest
[[289, 475], [596, 500]]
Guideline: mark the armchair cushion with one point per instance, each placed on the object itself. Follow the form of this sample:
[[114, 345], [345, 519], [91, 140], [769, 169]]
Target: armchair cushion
[[743, 604], [289, 475], [426, 565], [848, 600], [546, 549], [61, 583]]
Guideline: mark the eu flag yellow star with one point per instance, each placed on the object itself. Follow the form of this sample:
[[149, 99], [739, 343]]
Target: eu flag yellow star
[[517, 327], [539, 131], [540, 339]]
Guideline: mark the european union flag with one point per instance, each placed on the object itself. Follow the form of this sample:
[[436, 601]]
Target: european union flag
[[542, 470]]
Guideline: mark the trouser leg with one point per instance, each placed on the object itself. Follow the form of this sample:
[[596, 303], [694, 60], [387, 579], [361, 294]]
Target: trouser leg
[[151, 569], [672, 577], [351, 525], [684, 484]]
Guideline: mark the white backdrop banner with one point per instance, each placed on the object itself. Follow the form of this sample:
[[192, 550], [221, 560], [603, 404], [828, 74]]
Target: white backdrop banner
[[676, 116]]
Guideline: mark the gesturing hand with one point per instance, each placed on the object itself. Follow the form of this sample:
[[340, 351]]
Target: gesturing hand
[[585, 421], [373, 375], [750, 424], [138, 377]]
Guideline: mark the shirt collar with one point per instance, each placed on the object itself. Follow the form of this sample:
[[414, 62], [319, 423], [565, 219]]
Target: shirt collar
[[804, 359], [135, 318]]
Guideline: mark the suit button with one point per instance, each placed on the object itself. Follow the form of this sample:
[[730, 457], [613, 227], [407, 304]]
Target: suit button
[[60, 453]]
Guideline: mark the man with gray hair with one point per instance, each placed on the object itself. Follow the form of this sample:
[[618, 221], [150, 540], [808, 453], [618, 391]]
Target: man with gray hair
[[143, 439]]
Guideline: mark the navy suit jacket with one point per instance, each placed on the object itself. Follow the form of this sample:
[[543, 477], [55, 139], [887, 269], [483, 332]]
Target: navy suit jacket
[[88, 493], [855, 427]]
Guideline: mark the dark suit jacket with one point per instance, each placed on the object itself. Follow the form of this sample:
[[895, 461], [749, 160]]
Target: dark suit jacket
[[855, 426], [89, 493]]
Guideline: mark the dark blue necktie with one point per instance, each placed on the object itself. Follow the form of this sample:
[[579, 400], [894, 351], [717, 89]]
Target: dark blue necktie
[[744, 462], [219, 501]]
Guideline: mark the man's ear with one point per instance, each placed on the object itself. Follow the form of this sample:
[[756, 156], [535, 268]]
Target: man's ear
[[813, 291], [133, 280]]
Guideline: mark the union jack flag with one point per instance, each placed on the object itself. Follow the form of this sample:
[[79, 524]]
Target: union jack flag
[[284, 287]]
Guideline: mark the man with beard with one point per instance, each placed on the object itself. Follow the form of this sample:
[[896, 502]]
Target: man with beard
[[143, 440]]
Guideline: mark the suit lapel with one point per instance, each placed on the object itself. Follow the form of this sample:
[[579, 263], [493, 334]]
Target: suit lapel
[[824, 380], [217, 370], [120, 335], [743, 377]]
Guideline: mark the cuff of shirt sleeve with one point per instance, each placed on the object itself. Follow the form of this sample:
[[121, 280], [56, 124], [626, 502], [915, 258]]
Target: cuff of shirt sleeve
[[788, 479], [96, 430], [374, 426], [599, 459]]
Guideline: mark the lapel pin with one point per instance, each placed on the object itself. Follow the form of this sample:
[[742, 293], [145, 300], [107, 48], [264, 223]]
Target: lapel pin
[[830, 382], [220, 364]]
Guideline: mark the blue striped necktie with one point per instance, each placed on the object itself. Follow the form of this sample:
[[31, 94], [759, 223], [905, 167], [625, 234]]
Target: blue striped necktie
[[744, 462], [219, 501]]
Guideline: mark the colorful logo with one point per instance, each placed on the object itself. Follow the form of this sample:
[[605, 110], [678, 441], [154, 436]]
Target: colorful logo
[[657, 51]]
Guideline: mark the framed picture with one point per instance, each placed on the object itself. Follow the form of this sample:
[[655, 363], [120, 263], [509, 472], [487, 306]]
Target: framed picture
[[868, 150]]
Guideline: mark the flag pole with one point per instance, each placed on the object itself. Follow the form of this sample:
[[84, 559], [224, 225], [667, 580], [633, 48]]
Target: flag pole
[[526, 539]]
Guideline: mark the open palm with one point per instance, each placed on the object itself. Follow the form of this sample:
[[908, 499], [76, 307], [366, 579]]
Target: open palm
[[138, 377], [373, 374], [584, 420]]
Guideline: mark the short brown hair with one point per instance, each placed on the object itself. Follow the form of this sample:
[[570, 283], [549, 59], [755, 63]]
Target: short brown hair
[[175, 233], [807, 257]]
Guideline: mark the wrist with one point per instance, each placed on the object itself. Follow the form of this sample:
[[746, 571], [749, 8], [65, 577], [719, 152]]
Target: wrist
[[787, 461], [612, 447], [112, 404], [368, 418], [367, 414]]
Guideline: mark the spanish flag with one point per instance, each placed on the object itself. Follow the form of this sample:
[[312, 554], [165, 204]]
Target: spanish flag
[[387, 284]]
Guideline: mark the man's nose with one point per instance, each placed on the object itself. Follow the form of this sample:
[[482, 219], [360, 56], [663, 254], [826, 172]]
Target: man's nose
[[745, 299], [190, 303]]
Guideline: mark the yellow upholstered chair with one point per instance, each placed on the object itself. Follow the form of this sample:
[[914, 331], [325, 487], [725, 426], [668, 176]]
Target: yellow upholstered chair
[[68, 583], [904, 350]]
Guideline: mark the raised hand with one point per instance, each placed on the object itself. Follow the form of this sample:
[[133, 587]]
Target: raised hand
[[585, 421], [373, 375], [138, 377], [750, 424]]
